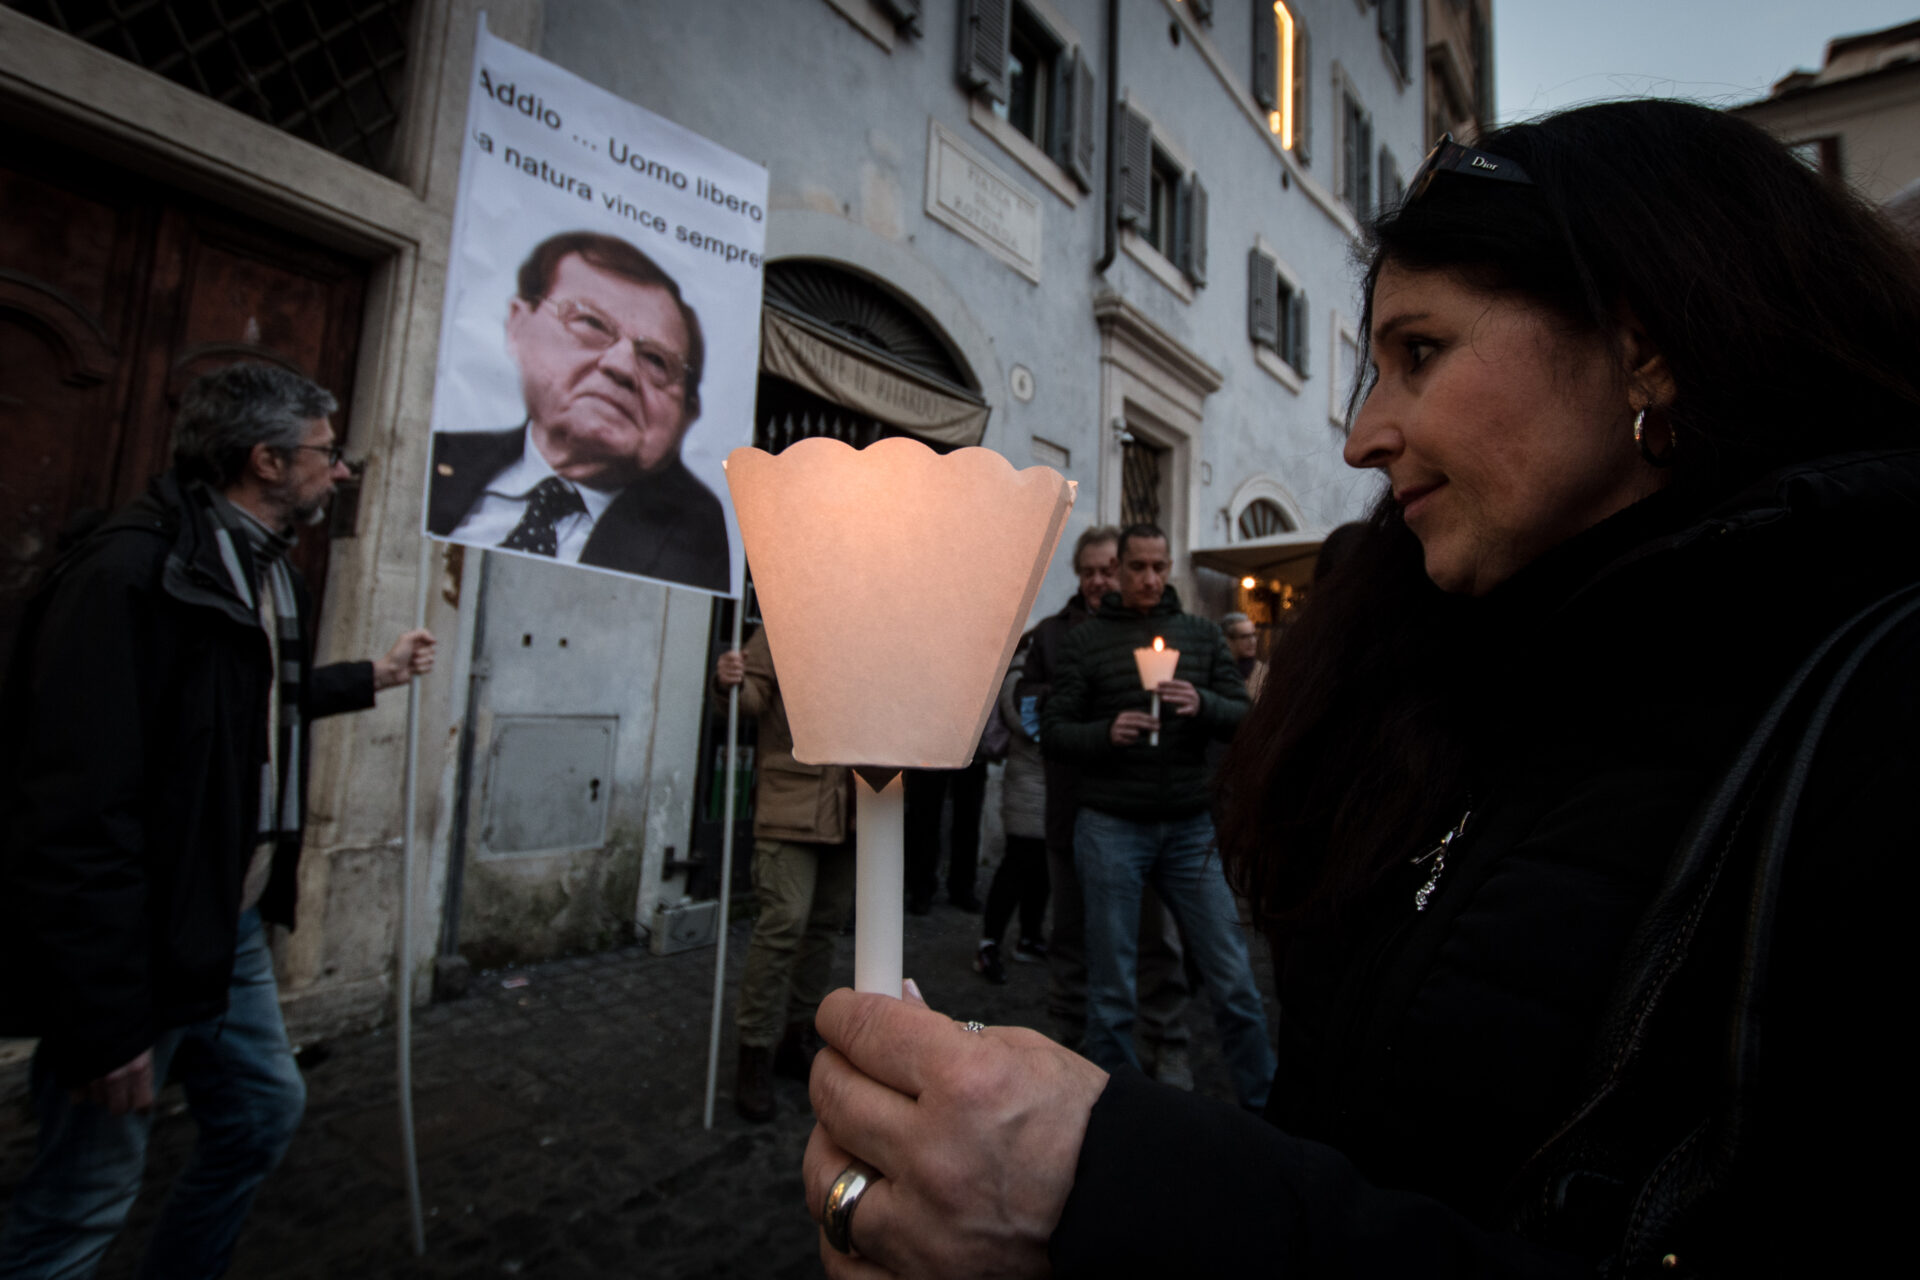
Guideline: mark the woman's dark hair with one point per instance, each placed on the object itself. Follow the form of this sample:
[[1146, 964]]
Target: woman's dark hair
[[1788, 312]]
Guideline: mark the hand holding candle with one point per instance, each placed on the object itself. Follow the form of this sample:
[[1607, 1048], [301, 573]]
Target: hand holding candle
[[1156, 668]]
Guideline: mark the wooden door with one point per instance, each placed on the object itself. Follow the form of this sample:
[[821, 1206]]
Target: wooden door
[[115, 292]]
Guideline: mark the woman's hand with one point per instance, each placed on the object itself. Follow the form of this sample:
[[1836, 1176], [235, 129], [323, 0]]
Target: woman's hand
[[976, 1135]]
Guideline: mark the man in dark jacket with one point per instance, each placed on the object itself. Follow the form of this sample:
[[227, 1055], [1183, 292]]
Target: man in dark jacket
[[1143, 815], [1162, 969], [155, 751]]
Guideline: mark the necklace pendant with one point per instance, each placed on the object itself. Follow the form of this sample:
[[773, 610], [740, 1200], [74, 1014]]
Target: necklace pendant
[[1425, 891], [1438, 856]]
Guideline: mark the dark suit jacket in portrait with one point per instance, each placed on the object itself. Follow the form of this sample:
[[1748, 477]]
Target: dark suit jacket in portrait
[[665, 525]]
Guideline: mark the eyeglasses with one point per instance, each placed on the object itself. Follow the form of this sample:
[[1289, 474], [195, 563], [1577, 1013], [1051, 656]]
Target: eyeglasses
[[663, 369], [1449, 156], [334, 452]]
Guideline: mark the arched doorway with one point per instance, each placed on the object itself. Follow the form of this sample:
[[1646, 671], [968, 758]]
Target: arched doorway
[[839, 346]]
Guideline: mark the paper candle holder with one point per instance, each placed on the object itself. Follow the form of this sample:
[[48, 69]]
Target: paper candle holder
[[894, 583], [1156, 665]]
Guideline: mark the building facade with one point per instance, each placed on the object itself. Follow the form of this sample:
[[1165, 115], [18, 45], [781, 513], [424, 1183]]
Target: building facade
[[1858, 117], [1459, 67], [1120, 230]]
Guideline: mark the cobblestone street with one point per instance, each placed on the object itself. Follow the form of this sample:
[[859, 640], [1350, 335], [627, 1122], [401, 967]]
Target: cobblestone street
[[559, 1128]]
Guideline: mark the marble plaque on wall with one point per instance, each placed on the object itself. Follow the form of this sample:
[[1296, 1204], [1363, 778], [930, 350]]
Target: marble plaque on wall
[[969, 194]]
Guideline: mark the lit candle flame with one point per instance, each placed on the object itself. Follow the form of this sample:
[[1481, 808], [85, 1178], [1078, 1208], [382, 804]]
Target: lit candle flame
[[1158, 644]]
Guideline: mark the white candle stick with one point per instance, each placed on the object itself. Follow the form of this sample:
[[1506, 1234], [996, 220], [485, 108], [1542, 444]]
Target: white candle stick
[[1156, 668], [879, 881]]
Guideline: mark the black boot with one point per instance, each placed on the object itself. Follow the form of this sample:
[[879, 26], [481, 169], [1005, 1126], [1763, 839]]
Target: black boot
[[794, 1058], [753, 1086]]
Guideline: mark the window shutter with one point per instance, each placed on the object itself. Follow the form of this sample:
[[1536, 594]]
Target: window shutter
[[1297, 303], [1136, 167], [1393, 30], [1263, 299], [1073, 108], [1266, 55], [984, 29], [1349, 125], [1060, 105], [1363, 152], [1193, 243], [1302, 94], [905, 14]]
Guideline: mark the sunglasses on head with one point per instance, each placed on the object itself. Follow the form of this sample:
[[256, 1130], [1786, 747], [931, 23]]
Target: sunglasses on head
[[1449, 156]]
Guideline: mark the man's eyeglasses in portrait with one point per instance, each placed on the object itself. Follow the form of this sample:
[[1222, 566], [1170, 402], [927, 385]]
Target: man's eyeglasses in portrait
[[664, 370], [334, 452]]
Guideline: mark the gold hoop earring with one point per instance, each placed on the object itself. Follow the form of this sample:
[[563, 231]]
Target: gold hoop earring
[[1640, 439]]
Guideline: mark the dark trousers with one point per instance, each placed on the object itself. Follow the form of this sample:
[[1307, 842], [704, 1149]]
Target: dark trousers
[[1021, 879], [927, 794]]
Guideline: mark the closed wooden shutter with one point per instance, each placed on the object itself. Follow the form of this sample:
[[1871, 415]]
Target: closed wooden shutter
[[1263, 299], [1193, 228], [1136, 167], [985, 28], [1266, 56]]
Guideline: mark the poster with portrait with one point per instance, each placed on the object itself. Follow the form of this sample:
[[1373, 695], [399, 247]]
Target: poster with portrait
[[600, 344]]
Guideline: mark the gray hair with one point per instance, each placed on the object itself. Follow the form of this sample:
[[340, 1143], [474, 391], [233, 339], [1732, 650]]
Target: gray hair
[[1233, 618], [225, 413], [1093, 537]]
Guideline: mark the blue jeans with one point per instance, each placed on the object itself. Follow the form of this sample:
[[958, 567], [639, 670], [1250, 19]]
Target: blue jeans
[[1114, 858], [246, 1096]]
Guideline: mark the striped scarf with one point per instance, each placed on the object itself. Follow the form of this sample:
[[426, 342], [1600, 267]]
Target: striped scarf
[[269, 592]]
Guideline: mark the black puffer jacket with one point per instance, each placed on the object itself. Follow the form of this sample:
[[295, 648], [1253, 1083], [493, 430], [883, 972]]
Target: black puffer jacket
[[1096, 679], [1426, 1056], [135, 731]]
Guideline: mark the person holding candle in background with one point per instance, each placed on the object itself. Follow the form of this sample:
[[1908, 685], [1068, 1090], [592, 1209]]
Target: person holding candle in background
[[1143, 816], [1162, 973]]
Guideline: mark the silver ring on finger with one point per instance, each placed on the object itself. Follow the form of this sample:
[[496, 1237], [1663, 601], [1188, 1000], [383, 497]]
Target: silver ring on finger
[[843, 1197], [975, 1027]]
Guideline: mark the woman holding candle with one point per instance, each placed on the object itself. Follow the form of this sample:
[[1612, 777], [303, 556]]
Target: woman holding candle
[[1580, 829]]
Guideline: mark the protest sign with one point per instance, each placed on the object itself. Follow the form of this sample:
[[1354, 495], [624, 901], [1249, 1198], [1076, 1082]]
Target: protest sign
[[600, 344]]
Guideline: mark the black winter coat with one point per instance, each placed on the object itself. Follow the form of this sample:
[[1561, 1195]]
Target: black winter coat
[[1096, 679], [1036, 681], [1426, 1056], [136, 731]]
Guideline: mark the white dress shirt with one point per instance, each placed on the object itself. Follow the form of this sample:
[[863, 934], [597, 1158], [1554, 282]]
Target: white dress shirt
[[505, 501]]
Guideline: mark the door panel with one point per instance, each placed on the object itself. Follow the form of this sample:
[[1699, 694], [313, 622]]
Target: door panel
[[115, 292]]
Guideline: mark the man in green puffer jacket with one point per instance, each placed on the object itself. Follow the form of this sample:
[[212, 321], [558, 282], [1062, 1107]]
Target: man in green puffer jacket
[[1143, 816]]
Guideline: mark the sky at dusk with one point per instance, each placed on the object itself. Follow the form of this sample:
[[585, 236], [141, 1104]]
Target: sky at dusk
[[1559, 53]]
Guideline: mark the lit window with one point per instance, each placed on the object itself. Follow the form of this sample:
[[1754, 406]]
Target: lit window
[[1281, 118]]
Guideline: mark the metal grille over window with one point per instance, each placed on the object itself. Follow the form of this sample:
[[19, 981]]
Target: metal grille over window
[[1263, 519], [867, 315], [787, 413], [330, 73], [1139, 483]]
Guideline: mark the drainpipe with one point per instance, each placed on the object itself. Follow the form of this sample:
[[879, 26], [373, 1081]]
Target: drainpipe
[[1110, 210]]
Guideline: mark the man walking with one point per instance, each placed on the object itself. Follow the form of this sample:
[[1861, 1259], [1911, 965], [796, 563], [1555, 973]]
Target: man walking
[[1143, 816], [156, 715], [803, 880]]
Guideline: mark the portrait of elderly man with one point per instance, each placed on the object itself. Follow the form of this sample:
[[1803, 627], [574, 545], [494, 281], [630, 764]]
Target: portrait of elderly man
[[610, 358]]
